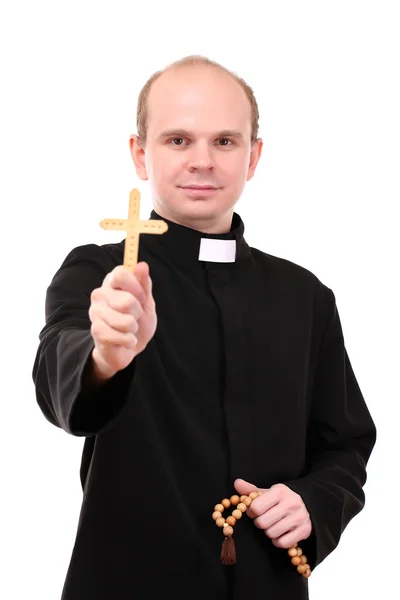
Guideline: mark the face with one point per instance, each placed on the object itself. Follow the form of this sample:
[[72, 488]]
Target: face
[[198, 154]]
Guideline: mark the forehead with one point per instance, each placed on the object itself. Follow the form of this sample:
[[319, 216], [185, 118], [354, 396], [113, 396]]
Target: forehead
[[198, 97]]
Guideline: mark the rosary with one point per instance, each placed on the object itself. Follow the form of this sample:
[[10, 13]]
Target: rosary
[[228, 552]]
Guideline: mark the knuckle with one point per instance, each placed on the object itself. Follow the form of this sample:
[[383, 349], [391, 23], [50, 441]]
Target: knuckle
[[298, 521], [125, 302], [115, 277], [137, 308], [129, 321], [281, 489], [94, 313], [119, 270], [94, 329], [94, 295], [131, 324], [132, 340], [107, 279]]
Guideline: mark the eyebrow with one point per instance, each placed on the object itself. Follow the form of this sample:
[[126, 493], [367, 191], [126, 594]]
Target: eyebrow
[[185, 133]]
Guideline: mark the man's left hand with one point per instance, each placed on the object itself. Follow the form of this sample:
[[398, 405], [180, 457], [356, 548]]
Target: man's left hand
[[279, 511]]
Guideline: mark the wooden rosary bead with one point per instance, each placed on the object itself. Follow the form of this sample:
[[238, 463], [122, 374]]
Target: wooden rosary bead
[[253, 495], [235, 500], [301, 569], [219, 507], [226, 503], [220, 522], [303, 558], [296, 560], [242, 506], [237, 514], [216, 514], [292, 552], [231, 520], [228, 530]]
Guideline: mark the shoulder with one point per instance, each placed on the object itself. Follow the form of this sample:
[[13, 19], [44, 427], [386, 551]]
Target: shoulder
[[292, 276], [282, 267], [88, 264], [104, 256]]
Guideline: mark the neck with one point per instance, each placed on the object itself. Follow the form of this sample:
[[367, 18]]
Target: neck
[[207, 224]]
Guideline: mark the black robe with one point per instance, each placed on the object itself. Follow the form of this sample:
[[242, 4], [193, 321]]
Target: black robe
[[246, 376]]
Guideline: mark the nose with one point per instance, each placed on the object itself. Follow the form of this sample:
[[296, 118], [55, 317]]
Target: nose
[[200, 156]]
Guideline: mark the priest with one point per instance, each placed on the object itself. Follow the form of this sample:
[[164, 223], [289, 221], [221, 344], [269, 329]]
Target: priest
[[209, 377]]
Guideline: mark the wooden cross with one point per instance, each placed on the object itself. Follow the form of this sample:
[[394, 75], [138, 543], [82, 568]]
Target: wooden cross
[[134, 227]]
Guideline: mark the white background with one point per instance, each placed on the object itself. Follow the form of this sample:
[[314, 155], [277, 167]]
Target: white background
[[325, 195]]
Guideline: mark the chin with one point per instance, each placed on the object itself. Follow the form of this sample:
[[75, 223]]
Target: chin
[[200, 207]]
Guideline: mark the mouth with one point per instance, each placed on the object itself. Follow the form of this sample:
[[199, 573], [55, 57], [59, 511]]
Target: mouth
[[199, 191], [199, 187]]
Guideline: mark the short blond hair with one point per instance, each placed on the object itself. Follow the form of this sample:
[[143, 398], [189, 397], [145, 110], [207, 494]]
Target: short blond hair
[[191, 61]]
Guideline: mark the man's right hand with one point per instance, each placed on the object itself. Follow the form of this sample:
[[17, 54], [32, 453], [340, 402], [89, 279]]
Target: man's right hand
[[124, 319]]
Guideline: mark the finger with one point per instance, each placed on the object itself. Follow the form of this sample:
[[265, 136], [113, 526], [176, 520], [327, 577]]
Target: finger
[[125, 322], [142, 273], [280, 528], [269, 518], [289, 540], [123, 302], [244, 487], [267, 500], [121, 278], [104, 335]]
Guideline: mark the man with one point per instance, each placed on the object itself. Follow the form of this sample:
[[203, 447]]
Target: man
[[214, 369]]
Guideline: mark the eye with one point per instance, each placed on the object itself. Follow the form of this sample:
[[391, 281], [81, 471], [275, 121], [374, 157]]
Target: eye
[[175, 139], [178, 142]]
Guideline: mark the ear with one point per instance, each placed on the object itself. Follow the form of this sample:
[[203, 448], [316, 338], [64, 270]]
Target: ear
[[255, 155], [138, 157]]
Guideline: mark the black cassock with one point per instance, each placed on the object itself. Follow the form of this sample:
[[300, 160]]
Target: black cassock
[[247, 376]]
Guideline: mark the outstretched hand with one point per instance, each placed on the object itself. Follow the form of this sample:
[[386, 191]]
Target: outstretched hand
[[279, 511]]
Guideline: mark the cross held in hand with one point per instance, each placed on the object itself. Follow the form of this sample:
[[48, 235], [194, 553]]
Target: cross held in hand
[[134, 227]]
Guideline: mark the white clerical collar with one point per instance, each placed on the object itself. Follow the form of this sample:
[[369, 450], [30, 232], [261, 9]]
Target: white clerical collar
[[222, 251]]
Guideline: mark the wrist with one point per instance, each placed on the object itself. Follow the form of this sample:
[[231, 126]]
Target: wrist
[[96, 373]]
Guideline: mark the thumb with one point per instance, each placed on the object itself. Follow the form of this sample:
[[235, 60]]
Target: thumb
[[244, 487], [142, 273]]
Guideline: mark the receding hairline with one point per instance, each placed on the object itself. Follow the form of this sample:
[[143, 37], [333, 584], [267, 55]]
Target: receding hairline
[[187, 66], [198, 66], [182, 132], [194, 61], [198, 62]]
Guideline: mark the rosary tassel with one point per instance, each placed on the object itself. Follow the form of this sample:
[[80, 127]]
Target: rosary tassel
[[228, 552]]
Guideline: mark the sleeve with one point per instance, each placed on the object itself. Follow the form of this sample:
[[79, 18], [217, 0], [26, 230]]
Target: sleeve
[[65, 347], [341, 436]]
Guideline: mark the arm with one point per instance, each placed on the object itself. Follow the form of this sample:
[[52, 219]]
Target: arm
[[70, 390], [340, 439]]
